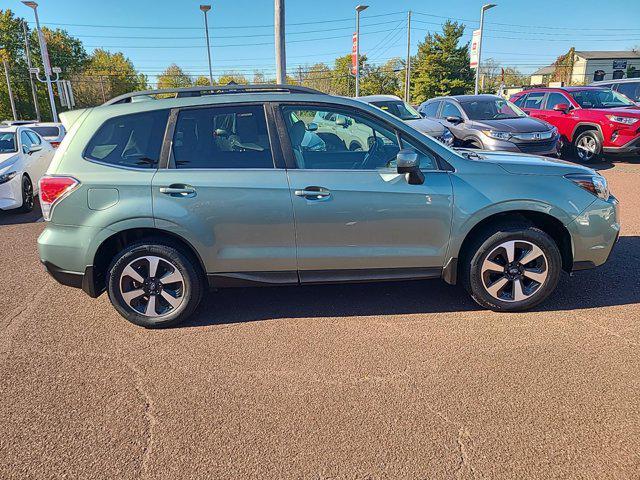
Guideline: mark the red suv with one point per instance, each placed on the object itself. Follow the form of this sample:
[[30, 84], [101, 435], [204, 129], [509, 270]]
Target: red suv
[[593, 120]]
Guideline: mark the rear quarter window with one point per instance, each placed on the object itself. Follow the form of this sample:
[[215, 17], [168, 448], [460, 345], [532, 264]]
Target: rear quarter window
[[129, 140]]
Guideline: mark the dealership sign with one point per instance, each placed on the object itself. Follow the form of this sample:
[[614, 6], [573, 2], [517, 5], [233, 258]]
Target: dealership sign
[[619, 64], [475, 46], [354, 53]]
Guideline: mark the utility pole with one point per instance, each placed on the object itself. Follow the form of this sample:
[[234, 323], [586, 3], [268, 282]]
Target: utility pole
[[281, 56], [45, 59], [33, 84], [205, 9], [407, 78], [359, 9], [9, 91], [484, 9]]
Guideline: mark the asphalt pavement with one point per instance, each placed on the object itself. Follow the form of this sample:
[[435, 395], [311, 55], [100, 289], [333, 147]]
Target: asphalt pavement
[[396, 380]]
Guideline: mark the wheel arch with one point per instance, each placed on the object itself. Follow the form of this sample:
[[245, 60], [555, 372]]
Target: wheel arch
[[119, 240], [544, 221], [583, 127]]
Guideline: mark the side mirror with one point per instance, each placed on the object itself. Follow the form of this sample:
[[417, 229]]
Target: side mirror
[[408, 164], [342, 120], [561, 107], [454, 119], [312, 127]]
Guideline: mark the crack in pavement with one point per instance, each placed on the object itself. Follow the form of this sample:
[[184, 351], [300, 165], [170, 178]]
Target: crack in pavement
[[149, 414]]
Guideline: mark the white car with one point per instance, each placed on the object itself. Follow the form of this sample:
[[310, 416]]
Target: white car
[[24, 158], [50, 131]]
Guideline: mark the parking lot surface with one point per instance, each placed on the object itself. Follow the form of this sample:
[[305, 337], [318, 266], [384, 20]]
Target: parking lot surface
[[395, 380]]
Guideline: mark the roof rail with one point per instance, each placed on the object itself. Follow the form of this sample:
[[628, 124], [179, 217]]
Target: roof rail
[[213, 90]]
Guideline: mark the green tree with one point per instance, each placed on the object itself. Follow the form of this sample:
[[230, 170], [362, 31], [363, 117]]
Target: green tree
[[105, 76], [203, 81], [235, 77], [174, 77], [342, 80], [387, 79], [441, 66]]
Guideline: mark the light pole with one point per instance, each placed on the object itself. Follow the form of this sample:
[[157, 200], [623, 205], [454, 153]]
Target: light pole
[[205, 9], [359, 9], [33, 85], [279, 33], [484, 8], [45, 59]]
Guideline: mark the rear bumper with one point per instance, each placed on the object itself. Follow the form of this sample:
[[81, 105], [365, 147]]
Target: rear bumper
[[83, 280]]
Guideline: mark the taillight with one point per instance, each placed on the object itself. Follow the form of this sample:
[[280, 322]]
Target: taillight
[[55, 144], [54, 189]]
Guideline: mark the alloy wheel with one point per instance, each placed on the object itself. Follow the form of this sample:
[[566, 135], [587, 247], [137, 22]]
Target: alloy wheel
[[152, 286], [586, 148], [27, 194], [514, 271]]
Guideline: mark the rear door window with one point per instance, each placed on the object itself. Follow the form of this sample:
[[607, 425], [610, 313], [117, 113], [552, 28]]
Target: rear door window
[[230, 137], [631, 90], [554, 99], [450, 110], [129, 140], [430, 109]]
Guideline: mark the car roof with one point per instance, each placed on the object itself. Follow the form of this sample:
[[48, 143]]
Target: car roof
[[45, 124], [9, 128], [620, 80], [563, 89], [378, 98], [467, 98]]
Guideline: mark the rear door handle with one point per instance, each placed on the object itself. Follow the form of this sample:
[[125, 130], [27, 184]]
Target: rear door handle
[[313, 193], [177, 190]]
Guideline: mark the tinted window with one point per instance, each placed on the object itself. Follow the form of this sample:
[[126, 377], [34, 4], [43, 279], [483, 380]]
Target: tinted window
[[46, 131], [430, 109], [35, 139], [7, 142], [630, 90], [450, 110], [348, 142], [598, 75], [493, 109], [534, 100], [130, 140], [554, 99], [222, 137], [26, 141], [520, 101]]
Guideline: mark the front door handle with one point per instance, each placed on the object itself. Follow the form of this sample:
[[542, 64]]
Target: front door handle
[[178, 190], [313, 193]]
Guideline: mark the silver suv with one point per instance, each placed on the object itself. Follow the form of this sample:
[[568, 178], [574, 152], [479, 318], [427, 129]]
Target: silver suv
[[490, 122]]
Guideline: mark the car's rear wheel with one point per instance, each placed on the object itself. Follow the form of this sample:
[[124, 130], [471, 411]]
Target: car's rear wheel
[[27, 195], [588, 146], [512, 268], [152, 284]]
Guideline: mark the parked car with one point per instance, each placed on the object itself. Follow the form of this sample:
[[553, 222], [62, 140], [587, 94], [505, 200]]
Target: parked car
[[402, 110], [52, 132], [489, 122], [24, 158], [593, 120], [155, 201], [629, 87]]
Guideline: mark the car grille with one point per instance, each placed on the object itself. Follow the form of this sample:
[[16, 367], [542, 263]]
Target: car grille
[[536, 147]]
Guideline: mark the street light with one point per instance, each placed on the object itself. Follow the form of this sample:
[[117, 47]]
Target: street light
[[44, 53], [484, 8], [205, 9], [359, 9]]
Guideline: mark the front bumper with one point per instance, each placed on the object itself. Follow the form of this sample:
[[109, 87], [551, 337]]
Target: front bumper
[[11, 193], [539, 147], [628, 148], [594, 233]]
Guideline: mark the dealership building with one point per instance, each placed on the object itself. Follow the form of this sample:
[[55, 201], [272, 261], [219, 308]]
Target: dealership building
[[592, 66]]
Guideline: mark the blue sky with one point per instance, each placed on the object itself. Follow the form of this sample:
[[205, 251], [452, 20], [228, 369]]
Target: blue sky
[[153, 34]]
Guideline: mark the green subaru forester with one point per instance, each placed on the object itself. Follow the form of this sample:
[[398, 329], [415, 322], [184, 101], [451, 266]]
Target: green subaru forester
[[157, 195]]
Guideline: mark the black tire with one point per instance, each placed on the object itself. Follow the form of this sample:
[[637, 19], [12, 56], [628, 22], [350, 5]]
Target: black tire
[[27, 195], [590, 137], [473, 144], [491, 239], [355, 147], [192, 286]]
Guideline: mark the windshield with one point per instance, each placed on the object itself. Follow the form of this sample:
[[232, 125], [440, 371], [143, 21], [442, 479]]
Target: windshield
[[46, 131], [491, 109], [603, 98], [399, 109], [8, 142]]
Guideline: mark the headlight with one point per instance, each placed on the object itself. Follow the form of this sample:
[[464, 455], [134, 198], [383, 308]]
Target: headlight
[[625, 120], [5, 177], [595, 184], [554, 132], [447, 137], [497, 135]]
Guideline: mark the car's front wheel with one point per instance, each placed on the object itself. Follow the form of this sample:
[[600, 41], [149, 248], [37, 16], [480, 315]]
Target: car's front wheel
[[27, 195], [512, 268], [588, 146], [152, 284]]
